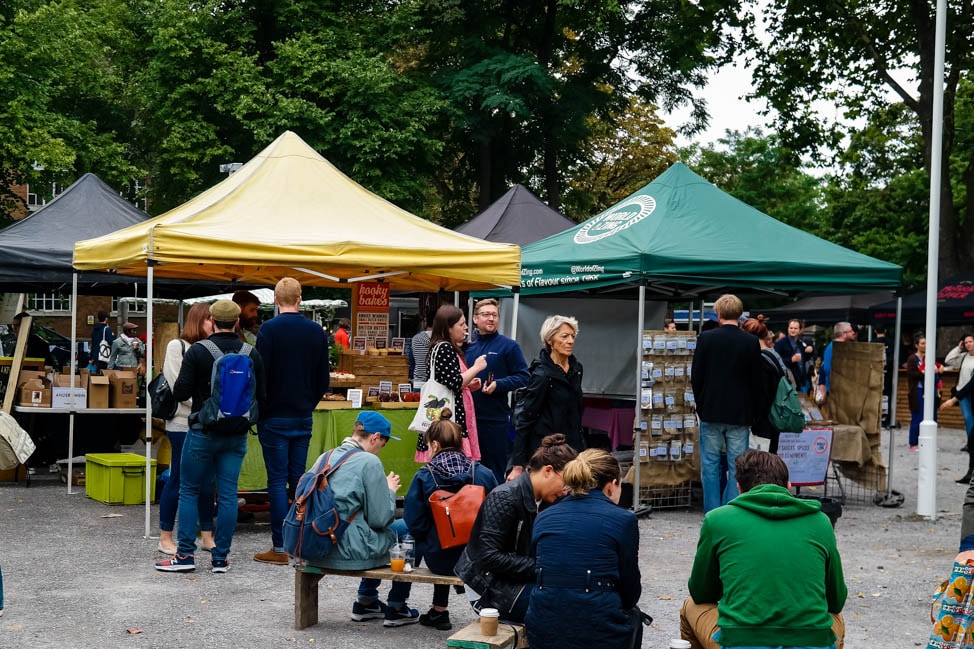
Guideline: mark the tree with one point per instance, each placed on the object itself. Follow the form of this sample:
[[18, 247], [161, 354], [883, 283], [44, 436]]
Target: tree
[[855, 54], [620, 157], [527, 81], [63, 106], [760, 171]]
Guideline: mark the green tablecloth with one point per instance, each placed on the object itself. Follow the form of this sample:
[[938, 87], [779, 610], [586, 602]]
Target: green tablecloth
[[329, 429]]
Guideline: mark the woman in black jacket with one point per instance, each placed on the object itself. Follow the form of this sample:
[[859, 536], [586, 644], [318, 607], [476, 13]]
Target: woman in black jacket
[[497, 564], [772, 369], [552, 400]]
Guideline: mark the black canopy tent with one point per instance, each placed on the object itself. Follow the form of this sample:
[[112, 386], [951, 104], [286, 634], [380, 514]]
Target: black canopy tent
[[516, 217], [36, 253], [955, 304], [829, 309]]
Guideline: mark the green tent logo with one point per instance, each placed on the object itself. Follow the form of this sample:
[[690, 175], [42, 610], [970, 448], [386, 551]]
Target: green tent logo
[[621, 217]]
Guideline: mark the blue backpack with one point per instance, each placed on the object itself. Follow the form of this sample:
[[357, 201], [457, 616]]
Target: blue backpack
[[313, 526], [231, 408]]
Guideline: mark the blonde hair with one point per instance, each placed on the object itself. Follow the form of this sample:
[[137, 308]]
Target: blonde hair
[[592, 469], [287, 292], [553, 323], [729, 307]]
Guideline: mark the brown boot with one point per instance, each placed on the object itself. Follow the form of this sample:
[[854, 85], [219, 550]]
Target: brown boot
[[272, 556]]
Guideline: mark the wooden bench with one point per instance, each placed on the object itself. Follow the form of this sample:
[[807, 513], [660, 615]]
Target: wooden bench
[[306, 578], [509, 636]]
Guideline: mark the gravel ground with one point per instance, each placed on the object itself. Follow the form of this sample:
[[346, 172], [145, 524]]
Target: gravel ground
[[78, 573]]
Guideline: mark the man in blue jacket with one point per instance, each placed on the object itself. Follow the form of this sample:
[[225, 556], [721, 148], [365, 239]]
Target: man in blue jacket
[[506, 371], [295, 354]]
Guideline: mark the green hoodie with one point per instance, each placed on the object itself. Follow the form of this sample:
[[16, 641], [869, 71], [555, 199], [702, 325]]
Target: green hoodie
[[770, 561]]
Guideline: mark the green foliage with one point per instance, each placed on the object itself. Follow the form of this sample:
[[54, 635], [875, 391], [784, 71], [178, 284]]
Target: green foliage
[[758, 170]]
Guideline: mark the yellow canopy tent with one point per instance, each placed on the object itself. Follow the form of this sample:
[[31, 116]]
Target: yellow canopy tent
[[290, 213]]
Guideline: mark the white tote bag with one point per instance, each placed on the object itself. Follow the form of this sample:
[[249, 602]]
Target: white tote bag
[[433, 397]]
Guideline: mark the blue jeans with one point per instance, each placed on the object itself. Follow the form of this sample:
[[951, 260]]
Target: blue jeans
[[205, 458], [494, 446], [368, 589], [713, 436], [285, 445], [169, 500], [967, 411]]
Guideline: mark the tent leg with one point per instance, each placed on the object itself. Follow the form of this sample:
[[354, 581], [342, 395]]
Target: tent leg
[[638, 420], [148, 407], [74, 368]]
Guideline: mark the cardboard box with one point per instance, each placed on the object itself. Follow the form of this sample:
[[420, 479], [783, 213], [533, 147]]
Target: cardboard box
[[122, 388], [64, 380], [98, 387], [118, 478], [76, 398], [35, 393]]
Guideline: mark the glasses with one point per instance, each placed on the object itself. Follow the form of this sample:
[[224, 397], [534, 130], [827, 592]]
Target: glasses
[[488, 315]]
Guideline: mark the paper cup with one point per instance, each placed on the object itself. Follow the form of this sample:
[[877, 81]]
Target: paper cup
[[489, 618], [678, 643]]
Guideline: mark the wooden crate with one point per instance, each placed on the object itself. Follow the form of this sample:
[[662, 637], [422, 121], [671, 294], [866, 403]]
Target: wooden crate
[[333, 405]]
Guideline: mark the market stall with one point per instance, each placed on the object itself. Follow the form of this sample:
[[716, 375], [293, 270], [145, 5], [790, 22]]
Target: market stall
[[680, 237], [289, 213]]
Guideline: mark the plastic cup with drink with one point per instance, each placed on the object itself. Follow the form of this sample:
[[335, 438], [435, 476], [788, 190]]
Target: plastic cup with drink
[[397, 558]]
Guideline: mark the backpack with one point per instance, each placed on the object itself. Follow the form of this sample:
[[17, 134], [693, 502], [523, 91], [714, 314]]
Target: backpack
[[786, 410], [164, 404], [313, 526], [231, 408]]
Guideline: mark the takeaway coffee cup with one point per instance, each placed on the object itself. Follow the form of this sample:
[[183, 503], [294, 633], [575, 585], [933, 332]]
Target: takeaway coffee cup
[[677, 643], [489, 617]]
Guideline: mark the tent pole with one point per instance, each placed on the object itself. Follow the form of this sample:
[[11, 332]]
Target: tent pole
[[517, 303], [892, 397], [148, 405], [74, 368], [638, 421]]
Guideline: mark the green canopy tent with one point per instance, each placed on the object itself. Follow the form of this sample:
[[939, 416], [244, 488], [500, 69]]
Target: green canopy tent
[[681, 236]]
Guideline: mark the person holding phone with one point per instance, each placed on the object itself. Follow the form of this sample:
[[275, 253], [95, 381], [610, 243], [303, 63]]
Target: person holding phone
[[506, 371]]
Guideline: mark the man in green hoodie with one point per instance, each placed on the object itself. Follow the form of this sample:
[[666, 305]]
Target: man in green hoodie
[[767, 572]]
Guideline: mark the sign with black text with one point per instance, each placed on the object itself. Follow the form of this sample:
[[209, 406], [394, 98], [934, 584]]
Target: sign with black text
[[807, 455]]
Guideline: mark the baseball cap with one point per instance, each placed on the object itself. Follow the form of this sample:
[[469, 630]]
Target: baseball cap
[[373, 422]]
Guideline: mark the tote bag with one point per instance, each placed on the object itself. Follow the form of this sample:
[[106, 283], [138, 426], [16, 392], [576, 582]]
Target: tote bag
[[952, 612], [433, 397]]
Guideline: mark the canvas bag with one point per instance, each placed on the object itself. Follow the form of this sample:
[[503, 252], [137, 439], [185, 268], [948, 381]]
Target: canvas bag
[[455, 513], [164, 404], [433, 397], [231, 408], [952, 611], [312, 526], [104, 347], [786, 410]]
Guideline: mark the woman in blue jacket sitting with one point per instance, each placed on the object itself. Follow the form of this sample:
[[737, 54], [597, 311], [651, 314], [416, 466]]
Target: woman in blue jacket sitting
[[586, 559], [448, 469]]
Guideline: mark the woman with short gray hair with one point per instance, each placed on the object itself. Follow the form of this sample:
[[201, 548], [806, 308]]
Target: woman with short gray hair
[[552, 401]]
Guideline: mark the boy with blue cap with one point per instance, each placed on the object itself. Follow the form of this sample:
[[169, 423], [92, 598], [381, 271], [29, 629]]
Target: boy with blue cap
[[366, 498]]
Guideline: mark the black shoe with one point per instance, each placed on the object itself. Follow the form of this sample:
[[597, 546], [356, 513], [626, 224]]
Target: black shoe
[[965, 480], [437, 619], [963, 449]]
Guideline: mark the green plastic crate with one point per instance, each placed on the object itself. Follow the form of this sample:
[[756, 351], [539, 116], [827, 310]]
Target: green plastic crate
[[117, 478]]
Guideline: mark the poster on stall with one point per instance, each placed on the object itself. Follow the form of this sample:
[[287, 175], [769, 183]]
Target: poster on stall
[[372, 311], [807, 455]]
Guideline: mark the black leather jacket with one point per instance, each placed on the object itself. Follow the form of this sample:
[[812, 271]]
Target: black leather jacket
[[498, 562]]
